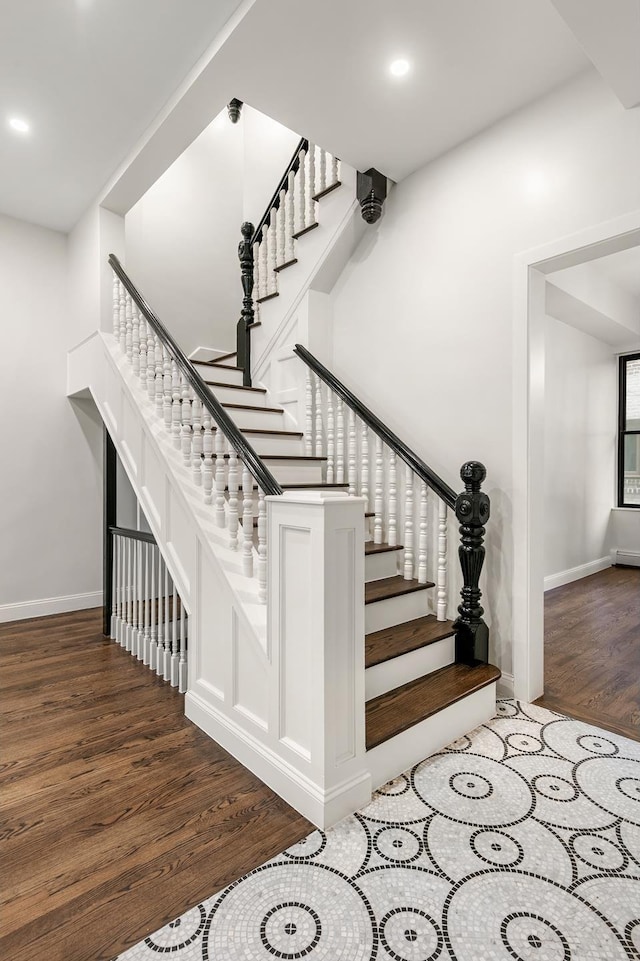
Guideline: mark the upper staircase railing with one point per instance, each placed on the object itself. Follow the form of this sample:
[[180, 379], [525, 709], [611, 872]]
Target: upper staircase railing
[[395, 511], [268, 249], [197, 422]]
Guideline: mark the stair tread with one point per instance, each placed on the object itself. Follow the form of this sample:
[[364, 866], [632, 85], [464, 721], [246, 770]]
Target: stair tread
[[397, 710], [371, 548], [262, 431], [305, 230], [287, 263], [263, 300], [221, 357], [270, 410], [294, 487], [391, 587], [220, 383], [287, 457], [327, 190], [214, 364], [381, 646]]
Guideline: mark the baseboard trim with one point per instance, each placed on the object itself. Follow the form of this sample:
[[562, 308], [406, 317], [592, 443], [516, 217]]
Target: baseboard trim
[[576, 573], [323, 806], [49, 605], [626, 558], [505, 686]]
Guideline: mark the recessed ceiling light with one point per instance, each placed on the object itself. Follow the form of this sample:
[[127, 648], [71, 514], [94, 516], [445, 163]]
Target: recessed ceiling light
[[19, 125], [399, 68]]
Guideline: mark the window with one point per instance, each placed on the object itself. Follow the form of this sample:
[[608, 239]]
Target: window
[[629, 432]]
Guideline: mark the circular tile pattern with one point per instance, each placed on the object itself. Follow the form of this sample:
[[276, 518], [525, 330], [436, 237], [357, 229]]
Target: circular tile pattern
[[290, 930], [497, 848], [525, 743], [484, 793], [397, 844], [307, 848], [180, 933], [555, 788], [523, 935], [399, 785], [613, 783], [598, 852], [409, 934]]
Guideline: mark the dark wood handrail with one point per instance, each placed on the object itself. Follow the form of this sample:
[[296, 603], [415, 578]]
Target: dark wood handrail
[[293, 165], [133, 535], [412, 460], [262, 475]]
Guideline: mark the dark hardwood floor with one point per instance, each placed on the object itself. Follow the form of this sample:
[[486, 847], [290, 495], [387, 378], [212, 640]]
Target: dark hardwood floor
[[117, 813], [592, 650]]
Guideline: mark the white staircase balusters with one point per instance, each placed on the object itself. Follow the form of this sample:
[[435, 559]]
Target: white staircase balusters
[[146, 639], [422, 535], [331, 441], [311, 186], [272, 285], [135, 339], [364, 463], [168, 633], [340, 441], [442, 561], [322, 171], [290, 227], [176, 406], [257, 280], [128, 339], [392, 535], [114, 587], [161, 618], [175, 654], [281, 228], [153, 629], [264, 264], [335, 173], [166, 387], [158, 381], [122, 310], [196, 450], [247, 521], [301, 199], [262, 548], [351, 453], [182, 666], [308, 414], [143, 352], [116, 306], [378, 507], [133, 633], [219, 514], [207, 457], [186, 434], [318, 432], [408, 524], [232, 481], [152, 387]]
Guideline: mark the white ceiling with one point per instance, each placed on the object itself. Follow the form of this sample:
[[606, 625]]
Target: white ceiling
[[92, 74], [622, 269]]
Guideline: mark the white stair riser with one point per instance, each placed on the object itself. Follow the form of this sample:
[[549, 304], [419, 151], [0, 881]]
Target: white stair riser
[[377, 566], [235, 395], [225, 375], [267, 444], [290, 472], [257, 419], [400, 670], [395, 610], [399, 753]]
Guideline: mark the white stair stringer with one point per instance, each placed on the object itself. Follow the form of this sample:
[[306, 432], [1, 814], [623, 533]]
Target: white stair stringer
[[235, 672]]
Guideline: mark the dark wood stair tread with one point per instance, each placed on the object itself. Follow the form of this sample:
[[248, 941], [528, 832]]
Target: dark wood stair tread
[[259, 431], [263, 300], [300, 487], [271, 410], [327, 190], [221, 357], [288, 263], [391, 587], [213, 364], [397, 710], [401, 639], [371, 548], [285, 457], [219, 383], [305, 230], [256, 323]]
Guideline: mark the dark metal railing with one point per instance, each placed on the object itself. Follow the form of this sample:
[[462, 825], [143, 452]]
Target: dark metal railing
[[261, 474]]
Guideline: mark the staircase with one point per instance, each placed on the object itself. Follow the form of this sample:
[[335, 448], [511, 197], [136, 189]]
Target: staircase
[[321, 652]]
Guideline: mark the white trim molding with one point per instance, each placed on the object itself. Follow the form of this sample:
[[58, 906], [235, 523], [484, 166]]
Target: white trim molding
[[45, 606], [625, 557], [576, 573]]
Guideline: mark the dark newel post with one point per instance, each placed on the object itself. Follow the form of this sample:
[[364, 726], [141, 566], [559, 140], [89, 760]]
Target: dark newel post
[[234, 109], [245, 254], [371, 191], [109, 520], [472, 510]]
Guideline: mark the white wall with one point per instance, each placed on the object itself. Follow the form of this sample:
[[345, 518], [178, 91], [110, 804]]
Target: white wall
[[50, 483], [580, 447], [423, 312], [182, 236]]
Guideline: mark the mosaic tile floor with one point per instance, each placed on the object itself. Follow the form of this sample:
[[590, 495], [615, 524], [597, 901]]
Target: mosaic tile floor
[[520, 841]]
